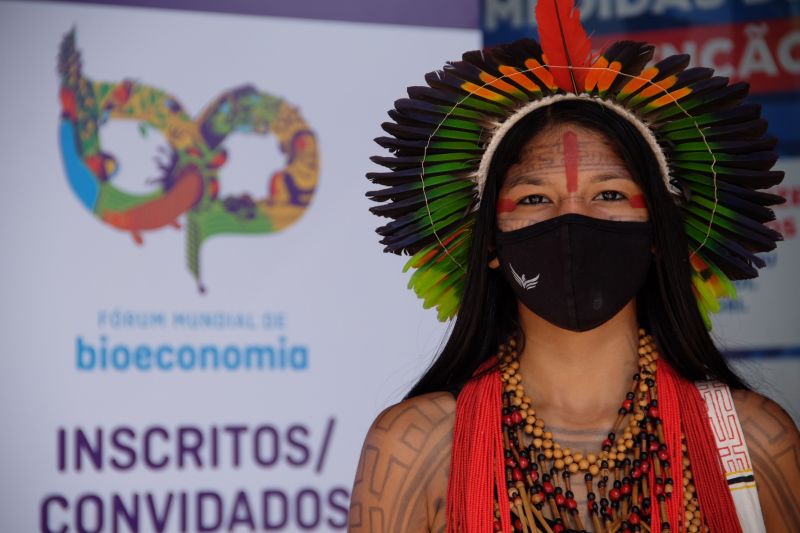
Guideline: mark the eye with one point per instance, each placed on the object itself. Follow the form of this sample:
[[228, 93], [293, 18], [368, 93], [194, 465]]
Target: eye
[[610, 196], [534, 199]]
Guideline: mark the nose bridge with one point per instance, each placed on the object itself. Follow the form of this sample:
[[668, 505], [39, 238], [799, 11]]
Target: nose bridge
[[572, 204]]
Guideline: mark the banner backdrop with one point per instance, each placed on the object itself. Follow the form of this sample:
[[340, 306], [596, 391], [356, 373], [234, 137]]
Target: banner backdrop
[[198, 322]]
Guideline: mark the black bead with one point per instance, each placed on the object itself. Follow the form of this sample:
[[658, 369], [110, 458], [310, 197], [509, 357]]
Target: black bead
[[588, 476]]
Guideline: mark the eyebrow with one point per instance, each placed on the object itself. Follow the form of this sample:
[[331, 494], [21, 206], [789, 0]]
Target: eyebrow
[[526, 179], [608, 177]]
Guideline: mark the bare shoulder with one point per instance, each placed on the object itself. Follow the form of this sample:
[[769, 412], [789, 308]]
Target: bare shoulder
[[774, 445], [401, 481]]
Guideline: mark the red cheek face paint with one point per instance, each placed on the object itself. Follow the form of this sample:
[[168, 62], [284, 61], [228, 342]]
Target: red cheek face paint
[[505, 205], [571, 158], [637, 201]]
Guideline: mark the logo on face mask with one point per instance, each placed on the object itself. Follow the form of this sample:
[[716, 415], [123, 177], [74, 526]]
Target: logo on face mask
[[526, 284]]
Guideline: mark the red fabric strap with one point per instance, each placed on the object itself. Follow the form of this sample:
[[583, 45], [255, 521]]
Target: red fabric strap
[[476, 464]]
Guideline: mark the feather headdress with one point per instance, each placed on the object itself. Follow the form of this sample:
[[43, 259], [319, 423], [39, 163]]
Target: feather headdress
[[712, 150]]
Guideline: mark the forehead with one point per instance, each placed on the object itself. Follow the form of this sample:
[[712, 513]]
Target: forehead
[[566, 150], [559, 138]]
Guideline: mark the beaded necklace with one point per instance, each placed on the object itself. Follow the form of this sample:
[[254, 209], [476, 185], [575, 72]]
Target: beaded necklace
[[622, 480]]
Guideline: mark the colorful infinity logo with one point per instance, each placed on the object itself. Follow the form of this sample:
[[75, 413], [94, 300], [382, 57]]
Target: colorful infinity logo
[[190, 182]]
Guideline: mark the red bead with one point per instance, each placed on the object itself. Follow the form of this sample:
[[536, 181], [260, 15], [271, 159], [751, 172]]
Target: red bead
[[548, 487], [663, 455], [507, 420], [523, 463], [627, 404], [634, 519], [534, 475], [626, 489], [558, 528], [517, 474], [626, 530], [572, 504], [498, 526], [607, 443], [560, 499], [516, 418], [637, 473], [659, 490], [517, 524], [645, 468], [614, 495], [652, 412], [510, 462], [654, 446]]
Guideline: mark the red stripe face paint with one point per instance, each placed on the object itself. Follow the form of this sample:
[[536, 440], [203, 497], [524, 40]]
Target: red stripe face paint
[[505, 205], [637, 201], [571, 158]]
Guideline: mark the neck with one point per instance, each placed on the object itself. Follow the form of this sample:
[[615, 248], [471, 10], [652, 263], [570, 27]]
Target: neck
[[579, 377]]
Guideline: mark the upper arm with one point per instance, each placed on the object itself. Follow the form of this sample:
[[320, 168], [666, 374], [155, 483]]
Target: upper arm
[[404, 465], [774, 445]]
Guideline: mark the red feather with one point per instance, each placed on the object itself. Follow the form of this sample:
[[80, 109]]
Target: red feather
[[564, 42]]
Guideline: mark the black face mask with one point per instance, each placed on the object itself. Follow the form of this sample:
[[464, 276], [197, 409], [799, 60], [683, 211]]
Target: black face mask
[[575, 271]]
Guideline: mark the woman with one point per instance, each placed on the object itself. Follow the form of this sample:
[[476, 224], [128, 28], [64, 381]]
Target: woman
[[550, 207]]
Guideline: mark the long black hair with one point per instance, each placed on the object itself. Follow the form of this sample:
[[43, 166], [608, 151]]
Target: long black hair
[[666, 305]]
